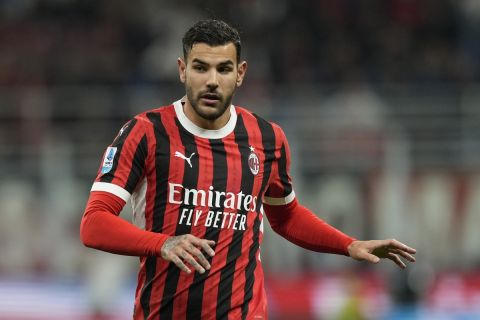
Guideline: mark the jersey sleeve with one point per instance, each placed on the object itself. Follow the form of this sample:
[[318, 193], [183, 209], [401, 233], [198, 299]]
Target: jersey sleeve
[[123, 163], [301, 226], [280, 190]]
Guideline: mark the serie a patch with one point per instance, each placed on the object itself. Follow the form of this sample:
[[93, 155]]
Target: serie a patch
[[108, 160]]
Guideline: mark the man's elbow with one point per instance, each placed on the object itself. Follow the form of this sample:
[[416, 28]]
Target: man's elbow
[[279, 228], [279, 218], [86, 233]]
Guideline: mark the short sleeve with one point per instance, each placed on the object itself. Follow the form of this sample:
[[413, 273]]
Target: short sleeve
[[123, 163], [280, 190]]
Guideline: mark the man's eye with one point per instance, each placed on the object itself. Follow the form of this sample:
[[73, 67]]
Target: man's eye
[[224, 69], [199, 68]]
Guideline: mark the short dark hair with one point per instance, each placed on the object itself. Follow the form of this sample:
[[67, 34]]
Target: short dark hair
[[212, 32]]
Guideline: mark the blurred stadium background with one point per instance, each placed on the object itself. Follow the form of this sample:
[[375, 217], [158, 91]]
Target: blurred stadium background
[[380, 101]]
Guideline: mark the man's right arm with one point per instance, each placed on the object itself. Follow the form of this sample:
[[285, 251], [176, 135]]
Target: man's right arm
[[101, 228]]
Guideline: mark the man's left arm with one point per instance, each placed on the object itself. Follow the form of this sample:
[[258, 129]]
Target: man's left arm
[[299, 225]]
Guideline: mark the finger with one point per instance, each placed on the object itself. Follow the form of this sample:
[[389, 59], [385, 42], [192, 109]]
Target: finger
[[398, 245], [395, 258], [206, 246], [201, 258], [179, 263], [404, 254], [369, 257], [188, 258]]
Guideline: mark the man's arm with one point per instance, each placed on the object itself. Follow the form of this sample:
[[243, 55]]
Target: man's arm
[[101, 228], [299, 225]]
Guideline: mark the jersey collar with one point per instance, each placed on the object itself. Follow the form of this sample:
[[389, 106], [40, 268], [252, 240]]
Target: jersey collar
[[205, 133]]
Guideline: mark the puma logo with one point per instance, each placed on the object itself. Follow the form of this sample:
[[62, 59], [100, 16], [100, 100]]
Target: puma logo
[[180, 155]]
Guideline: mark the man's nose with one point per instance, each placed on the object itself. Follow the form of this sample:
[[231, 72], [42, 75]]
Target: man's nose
[[212, 82]]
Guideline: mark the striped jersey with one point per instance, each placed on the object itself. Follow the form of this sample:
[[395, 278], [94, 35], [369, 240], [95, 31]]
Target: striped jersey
[[183, 179]]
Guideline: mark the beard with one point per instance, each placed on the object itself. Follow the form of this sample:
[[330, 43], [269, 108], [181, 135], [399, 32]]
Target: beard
[[212, 112]]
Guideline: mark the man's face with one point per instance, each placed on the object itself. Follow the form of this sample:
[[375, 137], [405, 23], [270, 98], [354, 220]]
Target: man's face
[[211, 75]]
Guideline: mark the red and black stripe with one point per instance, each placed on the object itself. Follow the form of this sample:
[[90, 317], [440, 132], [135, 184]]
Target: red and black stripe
[[283, 171], [162, 161], [195, 298], [268, 144], [235, 247], [219, 183], [190, 181], [138, 165]]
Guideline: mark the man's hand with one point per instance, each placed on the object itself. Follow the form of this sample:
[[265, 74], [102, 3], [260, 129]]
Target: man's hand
[[373, 250], [187, 249]]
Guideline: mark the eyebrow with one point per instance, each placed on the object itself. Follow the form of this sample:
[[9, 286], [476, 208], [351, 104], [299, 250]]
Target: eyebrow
[[223, 63]]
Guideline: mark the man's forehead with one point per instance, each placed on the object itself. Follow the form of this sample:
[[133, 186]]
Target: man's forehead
[[213, 54]]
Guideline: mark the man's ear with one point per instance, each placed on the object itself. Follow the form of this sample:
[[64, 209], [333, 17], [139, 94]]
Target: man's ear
[[241, 70], [182, 67]]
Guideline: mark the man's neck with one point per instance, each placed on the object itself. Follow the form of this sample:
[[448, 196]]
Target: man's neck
[[216, 124]]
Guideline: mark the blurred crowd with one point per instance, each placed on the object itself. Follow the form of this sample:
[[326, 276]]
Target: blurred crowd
[[52, 42]]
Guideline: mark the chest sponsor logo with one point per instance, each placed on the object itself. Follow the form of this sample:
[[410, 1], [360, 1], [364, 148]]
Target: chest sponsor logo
[[231, 202], [108, 160], [213, 219]]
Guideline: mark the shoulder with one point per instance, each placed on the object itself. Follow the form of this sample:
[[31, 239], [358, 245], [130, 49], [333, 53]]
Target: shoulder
[[151, 118], [262, 122], [269, 128], [147, 116], [145, 122]]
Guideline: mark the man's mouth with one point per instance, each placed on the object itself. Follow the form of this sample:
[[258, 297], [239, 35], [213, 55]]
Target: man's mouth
[[210, 98]]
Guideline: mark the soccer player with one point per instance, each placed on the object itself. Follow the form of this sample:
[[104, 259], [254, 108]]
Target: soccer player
[[200, 173]]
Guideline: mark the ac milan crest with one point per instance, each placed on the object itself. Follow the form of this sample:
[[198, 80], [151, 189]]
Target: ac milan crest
[[253, 161]]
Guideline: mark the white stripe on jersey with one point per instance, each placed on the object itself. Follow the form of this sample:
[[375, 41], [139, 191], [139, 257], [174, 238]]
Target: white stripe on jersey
[[113, 189], [279, 201]]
